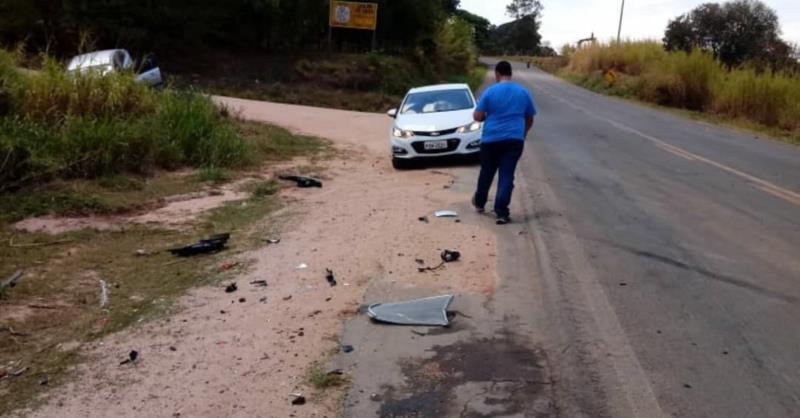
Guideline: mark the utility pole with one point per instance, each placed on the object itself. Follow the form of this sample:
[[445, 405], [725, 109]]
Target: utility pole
[[619, 29]]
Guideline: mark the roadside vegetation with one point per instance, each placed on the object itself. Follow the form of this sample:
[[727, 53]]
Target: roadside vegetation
[[81, 145]]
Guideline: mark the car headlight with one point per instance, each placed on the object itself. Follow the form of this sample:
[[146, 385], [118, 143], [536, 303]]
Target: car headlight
[[402, 133], [472, 127]]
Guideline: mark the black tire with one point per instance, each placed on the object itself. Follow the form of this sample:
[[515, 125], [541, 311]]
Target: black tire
[[401, 163]]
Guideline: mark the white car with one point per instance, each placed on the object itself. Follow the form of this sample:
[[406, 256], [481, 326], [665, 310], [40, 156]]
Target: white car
[[434, 121], [104, 62]]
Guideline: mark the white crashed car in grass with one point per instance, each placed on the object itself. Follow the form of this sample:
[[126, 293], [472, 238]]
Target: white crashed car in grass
[[110, 60], [434, 121]]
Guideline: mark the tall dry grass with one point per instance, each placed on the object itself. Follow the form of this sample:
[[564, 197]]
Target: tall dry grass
[[695, 81]]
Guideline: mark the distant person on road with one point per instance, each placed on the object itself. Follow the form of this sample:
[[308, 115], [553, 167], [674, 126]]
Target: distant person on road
[[507, 111]]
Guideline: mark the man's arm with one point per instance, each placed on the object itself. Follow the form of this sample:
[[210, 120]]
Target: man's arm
[[479, 115], [528, 124]]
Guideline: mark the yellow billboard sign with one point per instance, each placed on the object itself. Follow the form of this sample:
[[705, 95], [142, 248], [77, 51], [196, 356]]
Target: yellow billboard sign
[[353, 15]]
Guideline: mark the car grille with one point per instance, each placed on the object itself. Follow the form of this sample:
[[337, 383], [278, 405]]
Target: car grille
[[452, 145], [436, 133]]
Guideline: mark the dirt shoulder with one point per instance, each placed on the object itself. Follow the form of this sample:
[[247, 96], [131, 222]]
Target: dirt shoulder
[[243, 353]]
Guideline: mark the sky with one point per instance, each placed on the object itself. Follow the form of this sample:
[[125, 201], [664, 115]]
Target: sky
[[571, 20]]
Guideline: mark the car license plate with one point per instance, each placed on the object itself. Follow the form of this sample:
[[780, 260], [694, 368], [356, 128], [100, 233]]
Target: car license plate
[[432, 145]]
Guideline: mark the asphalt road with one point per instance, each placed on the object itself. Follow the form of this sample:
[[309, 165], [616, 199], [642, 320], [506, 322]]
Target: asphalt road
[[667, 258]]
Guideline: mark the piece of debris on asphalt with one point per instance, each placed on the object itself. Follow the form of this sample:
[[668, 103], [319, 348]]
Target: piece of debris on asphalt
[[44, 380], [287, 297], [172, 348], [103, 294], [302, 181], [419, 261], [302, 266], [346, 348], [431, 311], [145, 253], [259, 283], [623, 284], [330, 278], [242, 300], [315, 313], [211, 244], [336, 372], [272, 241], [263, 300], [458, 221], [298, 399], [446, 213], [448, 256], [423, 219], [687, 386], [132, 357], [421, 334], [231, 288], [11, 281]]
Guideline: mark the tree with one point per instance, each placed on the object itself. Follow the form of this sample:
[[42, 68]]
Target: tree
[[734, 32], [480, 26], [521, 8]]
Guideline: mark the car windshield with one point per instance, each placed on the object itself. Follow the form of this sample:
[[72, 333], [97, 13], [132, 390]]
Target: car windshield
[[437, 101]]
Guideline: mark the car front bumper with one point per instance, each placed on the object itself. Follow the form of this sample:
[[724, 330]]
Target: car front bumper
[[456, 144]]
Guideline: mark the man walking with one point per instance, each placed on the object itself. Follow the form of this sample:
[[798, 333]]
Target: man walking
[[507, 110]]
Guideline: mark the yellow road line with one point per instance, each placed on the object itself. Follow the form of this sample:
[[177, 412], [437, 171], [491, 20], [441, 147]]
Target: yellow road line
[[766, 186]]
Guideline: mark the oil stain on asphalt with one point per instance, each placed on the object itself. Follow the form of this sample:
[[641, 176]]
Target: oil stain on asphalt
[[479, 378]]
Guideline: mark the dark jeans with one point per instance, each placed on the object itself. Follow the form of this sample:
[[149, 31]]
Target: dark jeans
[[499, 156]]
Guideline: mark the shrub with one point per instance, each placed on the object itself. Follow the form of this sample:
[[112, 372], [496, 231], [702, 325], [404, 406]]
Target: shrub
[[455, 50], [680, 80]]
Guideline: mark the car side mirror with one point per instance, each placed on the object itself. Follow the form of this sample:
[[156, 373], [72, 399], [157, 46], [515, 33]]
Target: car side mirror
[[392, 113]]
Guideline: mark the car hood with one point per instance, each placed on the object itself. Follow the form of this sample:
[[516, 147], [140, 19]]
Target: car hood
[[439, 121]]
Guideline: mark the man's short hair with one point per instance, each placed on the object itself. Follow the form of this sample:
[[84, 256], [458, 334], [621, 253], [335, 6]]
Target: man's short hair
[[503, 68]]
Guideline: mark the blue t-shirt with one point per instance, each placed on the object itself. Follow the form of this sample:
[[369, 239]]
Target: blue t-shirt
[[506, 104]]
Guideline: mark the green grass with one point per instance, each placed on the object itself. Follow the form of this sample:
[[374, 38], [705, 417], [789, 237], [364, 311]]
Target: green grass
[[320, 379], [121, 193], [213, 175]]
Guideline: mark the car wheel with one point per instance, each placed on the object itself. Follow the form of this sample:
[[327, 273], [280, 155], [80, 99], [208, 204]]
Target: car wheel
[[401, 163]]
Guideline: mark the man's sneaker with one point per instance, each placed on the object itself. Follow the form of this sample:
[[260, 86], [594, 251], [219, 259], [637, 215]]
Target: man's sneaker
[[477, 208], [502, 220]]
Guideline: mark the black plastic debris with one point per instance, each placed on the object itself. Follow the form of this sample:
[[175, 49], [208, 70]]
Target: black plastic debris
[[299, 400], [347, 348], [434, 268], [448, 256], [302, 181], [419, 261], [132, 357], [242, 300], [211, 244], [259, 283], [44, 380], [423, 219], [231, 288], [330, 278]]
